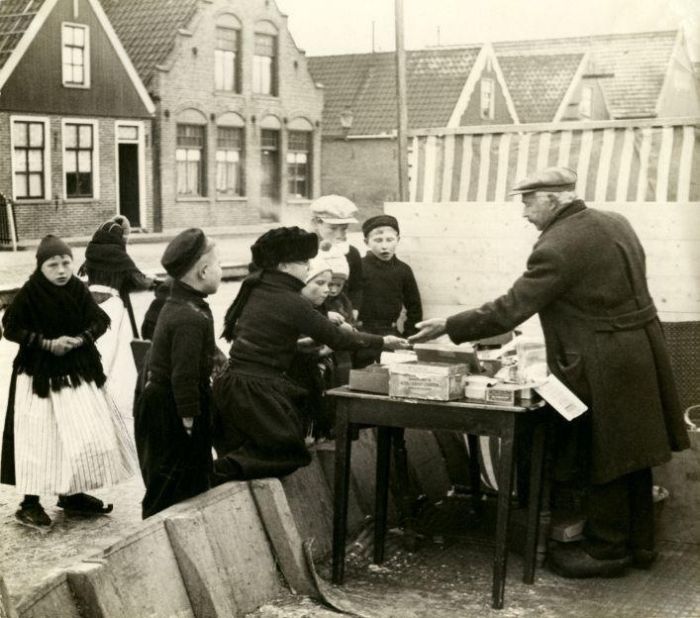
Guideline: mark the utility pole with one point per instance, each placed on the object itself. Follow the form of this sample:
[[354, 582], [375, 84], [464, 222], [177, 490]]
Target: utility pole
[[401, 102]]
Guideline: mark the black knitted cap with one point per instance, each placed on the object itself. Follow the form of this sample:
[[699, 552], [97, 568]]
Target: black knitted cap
[[49, 247], [379, 221], [284, 244], [183, 251]]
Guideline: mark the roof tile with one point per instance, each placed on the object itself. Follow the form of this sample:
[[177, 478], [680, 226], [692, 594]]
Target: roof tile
[[15, 17]]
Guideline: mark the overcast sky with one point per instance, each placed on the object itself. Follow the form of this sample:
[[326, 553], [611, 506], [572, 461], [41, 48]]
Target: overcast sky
[[345, 26]]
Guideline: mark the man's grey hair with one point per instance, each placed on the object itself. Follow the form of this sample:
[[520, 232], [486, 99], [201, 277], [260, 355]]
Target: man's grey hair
[[563, 198]]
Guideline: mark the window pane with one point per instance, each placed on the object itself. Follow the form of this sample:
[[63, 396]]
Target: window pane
[[21, 185], [125, 133], [36, 134], [66, 57], [85, 136], [193, 178], [78, 77], [85, 184], [36, 188], [181, 177], [77, 58], [70, 135], [20, 160], [71, 184], [70, 162], [36, 161], [84, 160], [181, 154], [232, 156], [264, 45], [78, 36], [68, 35], [194, 155], [19, 134]]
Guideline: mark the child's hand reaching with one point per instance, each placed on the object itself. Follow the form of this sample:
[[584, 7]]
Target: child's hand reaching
[[395, 343], [336, 318]]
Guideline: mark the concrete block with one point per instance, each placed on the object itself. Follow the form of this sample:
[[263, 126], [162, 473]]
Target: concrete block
[[51, 597], [282, 531], [311, 503], [356, 516], [223, 551], [139, 576], [427, 464]]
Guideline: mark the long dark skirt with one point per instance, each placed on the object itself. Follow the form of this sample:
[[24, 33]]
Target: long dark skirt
[[174, 466], [258, 430]]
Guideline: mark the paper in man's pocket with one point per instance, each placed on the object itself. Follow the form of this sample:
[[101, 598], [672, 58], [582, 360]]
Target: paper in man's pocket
[[557, 395]]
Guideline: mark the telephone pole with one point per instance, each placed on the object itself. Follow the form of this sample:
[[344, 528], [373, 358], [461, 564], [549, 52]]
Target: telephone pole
[[401, 102]]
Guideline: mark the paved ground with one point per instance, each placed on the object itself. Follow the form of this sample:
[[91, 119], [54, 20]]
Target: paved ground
[[449, 575]]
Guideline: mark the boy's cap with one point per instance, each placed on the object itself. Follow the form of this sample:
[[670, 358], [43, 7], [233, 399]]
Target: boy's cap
[[317, 266], [552, 179], [379, 221], [284, 244], [334, 209], [49, 247], [183, 251], [336, 259]]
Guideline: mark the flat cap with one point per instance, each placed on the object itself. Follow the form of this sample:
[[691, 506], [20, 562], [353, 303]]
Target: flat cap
[[548, 179], [334, 209], [379, 221], [183, 251]]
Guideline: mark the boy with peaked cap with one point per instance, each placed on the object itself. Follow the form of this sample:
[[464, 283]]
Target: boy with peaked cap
[[258, 427], [330, 217], [172, 415], [388, 284]]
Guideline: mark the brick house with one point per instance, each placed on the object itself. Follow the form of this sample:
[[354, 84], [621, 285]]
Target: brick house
[[446, 87], [606, 77], [236, 130], [602, 77], [74, 120]]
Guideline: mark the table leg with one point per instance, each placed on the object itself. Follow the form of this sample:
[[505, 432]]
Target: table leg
[[382, 491], [534, 502], [343, 445], [505, 487], [474, 470]]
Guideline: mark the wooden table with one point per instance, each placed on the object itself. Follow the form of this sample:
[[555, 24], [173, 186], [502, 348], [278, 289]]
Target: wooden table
[[355, 409]]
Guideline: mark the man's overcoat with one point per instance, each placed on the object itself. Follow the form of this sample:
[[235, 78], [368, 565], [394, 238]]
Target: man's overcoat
[[586, 278]]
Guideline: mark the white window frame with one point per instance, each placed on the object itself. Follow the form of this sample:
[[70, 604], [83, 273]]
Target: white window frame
[[585, 105], [47, 155], [95, 158], [86, 57], [141, 142], [489, 115]]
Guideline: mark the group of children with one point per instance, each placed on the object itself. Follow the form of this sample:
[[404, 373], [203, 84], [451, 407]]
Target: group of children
[[310, 309]]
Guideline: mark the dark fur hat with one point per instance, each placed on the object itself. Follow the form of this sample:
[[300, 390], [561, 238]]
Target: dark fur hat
[[284, 244]]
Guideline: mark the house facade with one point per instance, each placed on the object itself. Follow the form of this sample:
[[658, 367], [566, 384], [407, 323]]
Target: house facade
[[537, 82], [445, 88], [74, 120], [237, 123]]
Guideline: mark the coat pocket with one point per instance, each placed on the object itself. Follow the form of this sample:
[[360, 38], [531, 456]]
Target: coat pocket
[[572, 371]]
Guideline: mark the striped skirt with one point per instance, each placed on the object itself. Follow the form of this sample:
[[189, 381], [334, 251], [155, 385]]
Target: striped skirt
[[74, 440]]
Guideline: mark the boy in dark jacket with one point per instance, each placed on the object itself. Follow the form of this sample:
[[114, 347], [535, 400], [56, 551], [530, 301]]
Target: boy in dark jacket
[[172, 415], [388, 285]]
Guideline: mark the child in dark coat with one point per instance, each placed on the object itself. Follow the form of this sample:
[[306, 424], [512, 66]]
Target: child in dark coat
[[172, 414], [63, 434], [259, 430], [388, 285]]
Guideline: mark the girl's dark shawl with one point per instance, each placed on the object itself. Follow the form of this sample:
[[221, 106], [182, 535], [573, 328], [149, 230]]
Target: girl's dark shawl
[[44, 310]]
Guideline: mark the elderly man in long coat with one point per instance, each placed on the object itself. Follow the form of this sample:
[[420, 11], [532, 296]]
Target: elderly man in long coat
[[586, 279]]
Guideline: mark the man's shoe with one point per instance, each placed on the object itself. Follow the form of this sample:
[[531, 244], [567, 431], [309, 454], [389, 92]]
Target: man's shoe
[[33, 515], [571, 560], [644, 558]]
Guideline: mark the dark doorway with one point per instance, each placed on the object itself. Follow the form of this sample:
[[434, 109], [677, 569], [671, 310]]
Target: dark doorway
[[129, 183]]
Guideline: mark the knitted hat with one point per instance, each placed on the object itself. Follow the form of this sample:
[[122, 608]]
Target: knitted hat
[[333, 254], [49, 247], [183, 251], [284, 244], [317, 266], [379, 221]]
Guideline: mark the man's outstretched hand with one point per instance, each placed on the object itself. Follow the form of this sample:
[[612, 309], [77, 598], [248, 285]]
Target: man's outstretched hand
[[428, 329]]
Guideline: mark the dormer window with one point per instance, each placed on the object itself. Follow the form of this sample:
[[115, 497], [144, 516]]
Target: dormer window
[[586, 103], [487, 99], [75, 41]]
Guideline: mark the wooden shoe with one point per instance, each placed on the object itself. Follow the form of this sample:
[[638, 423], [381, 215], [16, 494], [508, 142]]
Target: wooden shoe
[[572, 561]]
